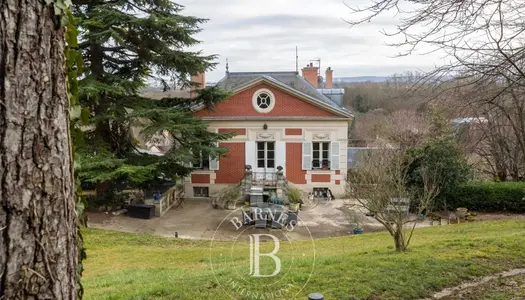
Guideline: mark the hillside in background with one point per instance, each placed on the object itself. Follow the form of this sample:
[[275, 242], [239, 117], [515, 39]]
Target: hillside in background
[[342, 80]]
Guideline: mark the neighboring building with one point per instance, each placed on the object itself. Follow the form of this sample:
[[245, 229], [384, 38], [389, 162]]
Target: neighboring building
[[280, 119]]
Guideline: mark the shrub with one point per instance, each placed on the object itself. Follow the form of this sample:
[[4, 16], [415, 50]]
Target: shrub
[[443, 157], [294, 195], [489, 196], [229, 195]]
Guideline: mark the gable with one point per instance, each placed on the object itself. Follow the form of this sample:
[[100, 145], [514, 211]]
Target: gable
[[286, 105]]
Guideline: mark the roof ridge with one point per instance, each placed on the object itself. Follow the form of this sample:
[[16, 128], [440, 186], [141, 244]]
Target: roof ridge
[[263, 73], [321, 94]]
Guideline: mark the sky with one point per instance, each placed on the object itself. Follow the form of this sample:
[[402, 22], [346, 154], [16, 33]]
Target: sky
[[261, 35]]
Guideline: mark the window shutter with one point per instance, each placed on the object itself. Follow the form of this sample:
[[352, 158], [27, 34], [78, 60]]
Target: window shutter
[[280, 155], [307, 155], [249, 153], [335, 159], [189, 164], [214, 163]]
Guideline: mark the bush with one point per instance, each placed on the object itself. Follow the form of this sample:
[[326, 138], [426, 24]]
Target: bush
[[443, 157], [295, 195], [229, 195], [489, 196]]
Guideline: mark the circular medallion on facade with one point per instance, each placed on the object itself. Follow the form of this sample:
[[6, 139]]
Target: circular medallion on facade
[[263, 101]]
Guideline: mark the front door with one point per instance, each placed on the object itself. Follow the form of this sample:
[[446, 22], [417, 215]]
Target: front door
[[265, 161]]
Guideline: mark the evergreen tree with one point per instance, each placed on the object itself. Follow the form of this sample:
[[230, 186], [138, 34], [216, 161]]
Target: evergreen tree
[[361, 104], [125, 44]]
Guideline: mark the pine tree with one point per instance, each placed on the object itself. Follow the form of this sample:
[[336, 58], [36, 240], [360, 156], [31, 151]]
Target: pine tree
[[125, 45], [361, 104]]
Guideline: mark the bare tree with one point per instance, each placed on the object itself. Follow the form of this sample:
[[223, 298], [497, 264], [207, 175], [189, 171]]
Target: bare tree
[[38, 230], [378, 183], [485, 72]]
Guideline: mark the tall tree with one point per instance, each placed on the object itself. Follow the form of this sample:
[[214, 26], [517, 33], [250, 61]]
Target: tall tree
[[485, 68], [126, 44], [38, 232]]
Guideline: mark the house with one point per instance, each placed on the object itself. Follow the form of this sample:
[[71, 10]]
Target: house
[[280, 120]]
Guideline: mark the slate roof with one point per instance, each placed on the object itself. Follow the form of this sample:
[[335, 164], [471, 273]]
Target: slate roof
[[236, 80]]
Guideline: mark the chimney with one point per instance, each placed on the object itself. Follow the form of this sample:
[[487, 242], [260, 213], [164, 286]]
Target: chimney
[[328, 78], [200, 79], [310, 74]]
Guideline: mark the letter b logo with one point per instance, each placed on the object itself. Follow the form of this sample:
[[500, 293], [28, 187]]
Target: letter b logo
[[255, 255]]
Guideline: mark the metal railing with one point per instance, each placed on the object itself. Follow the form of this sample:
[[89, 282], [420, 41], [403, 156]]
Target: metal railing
[[264, 178]]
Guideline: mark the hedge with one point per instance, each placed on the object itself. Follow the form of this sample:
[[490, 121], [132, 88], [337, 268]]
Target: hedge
[[489, 196]]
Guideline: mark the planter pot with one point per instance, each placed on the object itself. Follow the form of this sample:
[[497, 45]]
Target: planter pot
[[358, 230], [461, 212], [230, 206], [293, 206]]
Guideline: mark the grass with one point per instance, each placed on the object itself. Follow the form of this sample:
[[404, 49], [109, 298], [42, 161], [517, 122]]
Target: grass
[[139, 266]]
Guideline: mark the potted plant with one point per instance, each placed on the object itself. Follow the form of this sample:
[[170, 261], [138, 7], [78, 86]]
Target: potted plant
[[230, 204], [230, 196], [357, 219], [295, 198], [280, 170]]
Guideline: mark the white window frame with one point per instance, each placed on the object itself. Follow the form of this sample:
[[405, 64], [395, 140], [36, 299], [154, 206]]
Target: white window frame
[[265, 158], [321, 158], [256, 96]]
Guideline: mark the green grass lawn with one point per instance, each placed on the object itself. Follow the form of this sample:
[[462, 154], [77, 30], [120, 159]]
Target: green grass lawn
[[137, 266]]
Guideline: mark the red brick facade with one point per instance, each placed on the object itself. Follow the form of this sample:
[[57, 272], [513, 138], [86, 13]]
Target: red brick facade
[[237, 131], [240, 104], [231, 167], [294, 169], [200, 178], [293, 131], [320, 177], [338, 182]]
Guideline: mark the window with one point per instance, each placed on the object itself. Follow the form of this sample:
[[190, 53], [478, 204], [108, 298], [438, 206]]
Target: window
[[200, 191], [263, 101], [201, 162], [266, 155], [320, 155]]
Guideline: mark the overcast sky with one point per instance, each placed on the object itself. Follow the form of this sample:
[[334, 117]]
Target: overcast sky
[[261, 35]]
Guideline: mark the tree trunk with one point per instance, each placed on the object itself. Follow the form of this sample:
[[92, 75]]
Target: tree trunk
[[38, 237], [399, 241]]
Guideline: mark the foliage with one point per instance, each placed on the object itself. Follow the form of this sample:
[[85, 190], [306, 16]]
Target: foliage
[[78, 117], [445, 159], [489, 196], [229, 195], [126, 44], [349, 267], [294, 195], [361, 104]]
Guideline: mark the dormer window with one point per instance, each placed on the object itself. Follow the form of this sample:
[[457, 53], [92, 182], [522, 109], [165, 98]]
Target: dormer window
[[263, 101]]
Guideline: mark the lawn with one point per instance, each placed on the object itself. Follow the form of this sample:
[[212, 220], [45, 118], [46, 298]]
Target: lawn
[[139, 266]]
